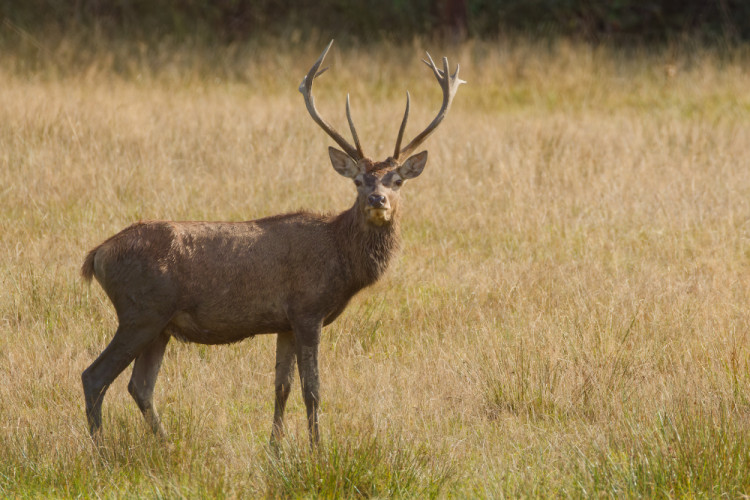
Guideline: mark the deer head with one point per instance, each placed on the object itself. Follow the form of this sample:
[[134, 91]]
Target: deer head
[[378, 183]]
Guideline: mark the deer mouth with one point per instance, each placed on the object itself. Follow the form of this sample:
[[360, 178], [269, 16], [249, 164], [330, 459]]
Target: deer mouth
[[379, 216]]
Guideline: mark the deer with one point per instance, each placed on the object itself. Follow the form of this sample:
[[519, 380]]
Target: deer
[[221, 282]]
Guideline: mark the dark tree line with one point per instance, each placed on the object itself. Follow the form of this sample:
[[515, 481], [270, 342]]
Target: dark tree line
[[235, 20]]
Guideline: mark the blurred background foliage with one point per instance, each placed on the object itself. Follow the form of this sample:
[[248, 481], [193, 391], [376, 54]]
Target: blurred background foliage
[[229, 21]]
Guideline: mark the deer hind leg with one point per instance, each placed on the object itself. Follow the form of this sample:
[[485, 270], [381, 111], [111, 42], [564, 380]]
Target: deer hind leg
[[286, 358], [127, 343], [143, 379]]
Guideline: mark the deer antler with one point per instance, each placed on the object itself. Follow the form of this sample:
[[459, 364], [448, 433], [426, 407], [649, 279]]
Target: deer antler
[[306, 89], [449, 83]]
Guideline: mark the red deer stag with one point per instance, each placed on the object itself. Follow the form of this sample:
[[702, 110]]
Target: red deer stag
[[221, 282]]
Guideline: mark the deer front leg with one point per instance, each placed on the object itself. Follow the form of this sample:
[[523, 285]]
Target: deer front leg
[[308, 371], [307, 340], [285, 361]]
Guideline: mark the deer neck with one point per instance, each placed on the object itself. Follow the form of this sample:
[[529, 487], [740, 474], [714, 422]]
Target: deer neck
[[367, 249]]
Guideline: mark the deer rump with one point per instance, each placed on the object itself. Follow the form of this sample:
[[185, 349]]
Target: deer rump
[[218, 283]]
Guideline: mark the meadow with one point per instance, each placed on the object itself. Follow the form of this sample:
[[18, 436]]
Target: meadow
[[569, 315]]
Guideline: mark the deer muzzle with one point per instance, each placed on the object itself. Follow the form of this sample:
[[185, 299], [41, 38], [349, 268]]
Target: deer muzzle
[[376, 200], [378, 209]]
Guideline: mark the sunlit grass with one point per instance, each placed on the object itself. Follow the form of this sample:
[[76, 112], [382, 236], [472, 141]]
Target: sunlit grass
[[568, 317]]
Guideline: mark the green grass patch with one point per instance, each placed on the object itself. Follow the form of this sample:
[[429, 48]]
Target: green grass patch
[[356, 465], [679, 456]]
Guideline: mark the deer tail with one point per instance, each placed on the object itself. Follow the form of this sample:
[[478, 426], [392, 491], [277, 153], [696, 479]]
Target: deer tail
[[87, 269]]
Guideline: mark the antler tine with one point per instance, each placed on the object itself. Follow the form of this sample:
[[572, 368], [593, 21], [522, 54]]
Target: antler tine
[[306, 89], [397, 149], [431, 64], [320, 72], [449, 83], [354, 130]]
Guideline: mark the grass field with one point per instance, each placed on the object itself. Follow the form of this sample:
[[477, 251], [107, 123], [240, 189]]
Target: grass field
[[569, 315]]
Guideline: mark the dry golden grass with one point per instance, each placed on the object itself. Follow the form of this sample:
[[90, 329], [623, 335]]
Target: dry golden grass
[[569, 315]]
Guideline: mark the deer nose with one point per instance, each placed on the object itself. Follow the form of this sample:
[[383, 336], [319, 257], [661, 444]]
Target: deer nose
[[376, 200]]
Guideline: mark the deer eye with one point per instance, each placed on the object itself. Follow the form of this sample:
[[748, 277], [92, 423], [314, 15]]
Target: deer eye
[[398, 182], [357, 182]]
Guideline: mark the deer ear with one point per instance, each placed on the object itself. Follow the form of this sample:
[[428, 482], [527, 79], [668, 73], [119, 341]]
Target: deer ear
[[413, 166], [343, 163]]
